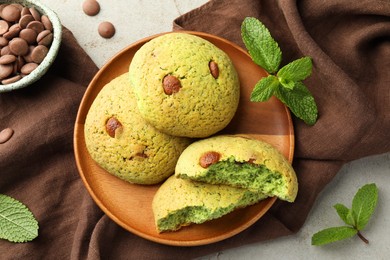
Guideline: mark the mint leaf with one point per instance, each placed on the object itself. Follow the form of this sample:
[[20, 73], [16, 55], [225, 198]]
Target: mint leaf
[[263, 49], [332, 234], [296, 70], [265, 52], [300, 101], [363, 204], [17, 223], [289, 84], [264, 89], [344, 213], [351, 218]]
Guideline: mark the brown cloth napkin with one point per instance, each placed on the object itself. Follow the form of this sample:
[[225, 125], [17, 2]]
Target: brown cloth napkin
[[349, 42]]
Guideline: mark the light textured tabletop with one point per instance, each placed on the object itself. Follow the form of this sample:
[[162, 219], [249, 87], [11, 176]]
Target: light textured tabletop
[[136, 19]]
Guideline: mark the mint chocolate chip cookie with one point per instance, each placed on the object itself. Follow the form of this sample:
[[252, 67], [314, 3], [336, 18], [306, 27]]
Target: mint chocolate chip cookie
[[240, 162], [123, 143], [180, 202], [185, 85]]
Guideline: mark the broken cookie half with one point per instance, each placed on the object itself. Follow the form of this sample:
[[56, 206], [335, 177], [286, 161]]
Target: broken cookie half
[[239, 162], [180, 202]]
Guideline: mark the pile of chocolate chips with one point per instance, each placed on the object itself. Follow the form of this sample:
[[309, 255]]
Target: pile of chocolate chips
[[25, 39]]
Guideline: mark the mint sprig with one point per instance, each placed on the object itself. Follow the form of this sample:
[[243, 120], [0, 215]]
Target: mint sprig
[[17, 223], [285, 83], [356, 218]]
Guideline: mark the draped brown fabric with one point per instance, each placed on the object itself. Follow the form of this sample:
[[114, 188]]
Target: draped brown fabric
[[349, 42]]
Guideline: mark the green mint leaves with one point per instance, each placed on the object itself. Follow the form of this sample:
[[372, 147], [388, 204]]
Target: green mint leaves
[[264, 51], [363, 206], [285, 83], [17, 223]]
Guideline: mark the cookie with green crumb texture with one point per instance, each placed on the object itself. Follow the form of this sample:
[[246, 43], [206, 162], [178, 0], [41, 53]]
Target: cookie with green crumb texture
[[180, 202], [185, 85], [123, 143], [241, 162]]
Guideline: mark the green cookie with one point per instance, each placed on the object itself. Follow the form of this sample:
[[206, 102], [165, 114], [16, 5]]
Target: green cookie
[[240, 162], [185, 85], [181, 202], [123, 143]]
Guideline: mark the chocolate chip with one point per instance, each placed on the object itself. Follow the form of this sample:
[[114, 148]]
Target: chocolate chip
[[46, 23], [10, 13], [25, 11], [18, 46], [7, 59], [5, 50], [27, 58], [209, 158], [252, 160], [13, 31], [36, 25], [214, 70], [141, 155], [3, 42], [39, 53], [5, 135], [45, 38], [91, 7], [3, 27], [112, 126], [28, 68], [29, 35], [42, 34], [171, 84], [25, 20], [34, 12], [11, 80], [6, 70], [106, 29]]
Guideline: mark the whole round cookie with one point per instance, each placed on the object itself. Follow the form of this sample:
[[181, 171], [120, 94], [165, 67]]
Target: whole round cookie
[[123, 143], [185, 85]]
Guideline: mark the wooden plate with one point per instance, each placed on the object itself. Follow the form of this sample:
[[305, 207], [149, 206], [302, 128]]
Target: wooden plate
[[130, 205]]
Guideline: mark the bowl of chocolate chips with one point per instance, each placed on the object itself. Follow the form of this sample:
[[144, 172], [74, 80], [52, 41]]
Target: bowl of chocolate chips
[[30, 37]]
